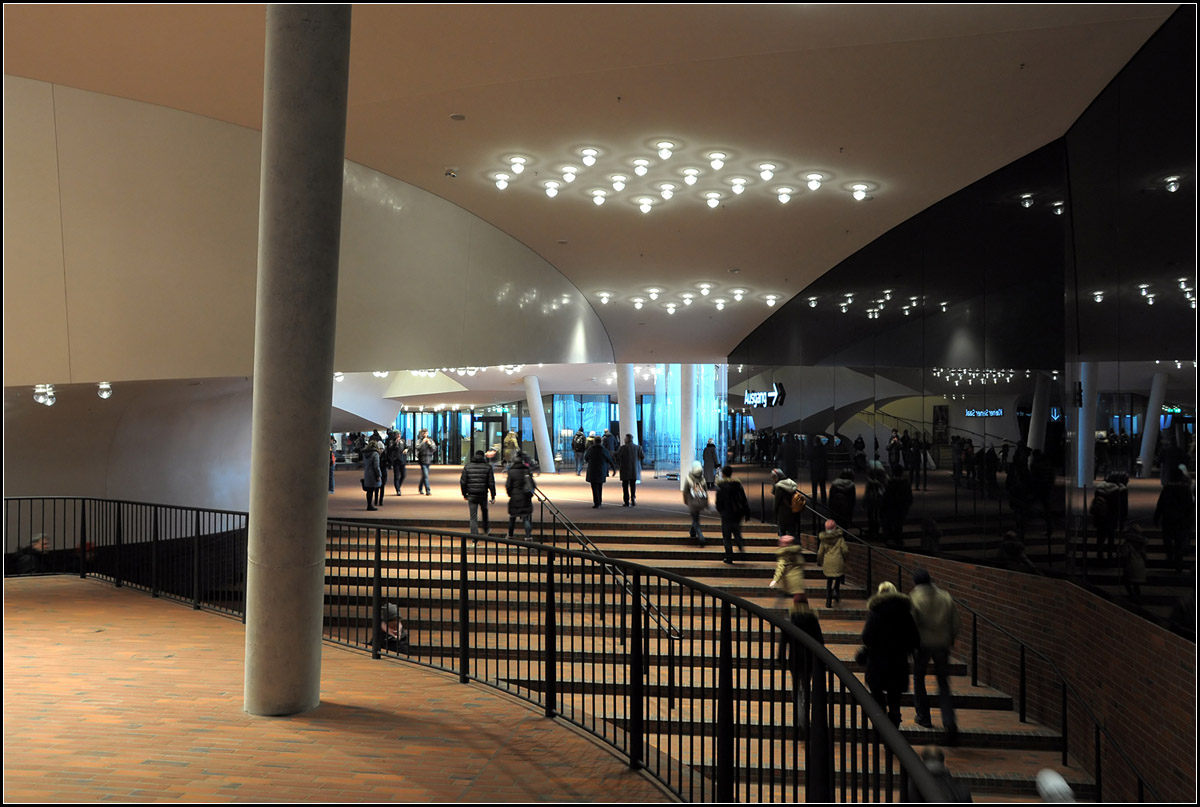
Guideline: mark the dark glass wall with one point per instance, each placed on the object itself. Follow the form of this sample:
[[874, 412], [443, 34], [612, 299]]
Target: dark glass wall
[[945, 326]]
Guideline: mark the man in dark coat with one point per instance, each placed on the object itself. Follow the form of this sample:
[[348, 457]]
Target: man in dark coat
[[842, 494], [629, 463], [897, 499], [1176, 513], [818, 466], [600, 462], [733, 507], [477, 482], [579, 446], [890, 636], [519, 486]]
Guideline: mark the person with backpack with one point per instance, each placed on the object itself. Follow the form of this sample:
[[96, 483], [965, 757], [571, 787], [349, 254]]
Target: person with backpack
[[579, 444], [695, 496], [397, 459], [519, 487], [734, 508], [787, 497]]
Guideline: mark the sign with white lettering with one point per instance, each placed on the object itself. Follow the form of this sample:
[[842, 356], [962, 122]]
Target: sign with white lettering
[[985, 413], [759, 399]]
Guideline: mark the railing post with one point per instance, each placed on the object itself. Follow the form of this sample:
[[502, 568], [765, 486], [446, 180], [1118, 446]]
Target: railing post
[[870, 558], [377, 595], [464, 636], [1099, 796], [819, 762], [196, 564], [1064, 723], [1022, 683], [117, 544], [82, 537], [726, 775], [154, 555], [636, 725], [550, 661], [974, 649]]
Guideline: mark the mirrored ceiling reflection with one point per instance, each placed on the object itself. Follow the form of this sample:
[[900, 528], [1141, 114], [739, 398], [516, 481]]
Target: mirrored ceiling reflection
[[958, 285]]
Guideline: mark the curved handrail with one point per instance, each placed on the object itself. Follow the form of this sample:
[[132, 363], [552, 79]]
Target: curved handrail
[[660, 619], [890, 735], [816, 511]]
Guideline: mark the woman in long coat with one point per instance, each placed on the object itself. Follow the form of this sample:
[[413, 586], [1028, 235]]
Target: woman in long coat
[[600, 463], [372, 474]]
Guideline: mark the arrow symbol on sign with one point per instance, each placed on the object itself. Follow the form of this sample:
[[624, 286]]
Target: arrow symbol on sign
[[1054, 413], [776, 395]]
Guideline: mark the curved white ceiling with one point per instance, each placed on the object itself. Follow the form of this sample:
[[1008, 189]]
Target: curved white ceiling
[[918, 100]]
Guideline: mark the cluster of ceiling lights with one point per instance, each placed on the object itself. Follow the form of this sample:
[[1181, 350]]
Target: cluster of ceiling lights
[[1178, 363], [845, 302], [1146, 290], [651, 294], [972, 375], [703, 176], [507, 369], [44, 393]]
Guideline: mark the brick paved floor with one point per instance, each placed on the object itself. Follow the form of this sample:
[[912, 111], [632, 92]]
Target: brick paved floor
[[112, 695]]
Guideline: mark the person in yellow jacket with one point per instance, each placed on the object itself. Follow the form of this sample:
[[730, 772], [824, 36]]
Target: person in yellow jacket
[[831, 555], [790, 565]]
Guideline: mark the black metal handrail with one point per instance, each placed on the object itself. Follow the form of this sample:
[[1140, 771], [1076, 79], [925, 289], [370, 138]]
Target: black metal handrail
[[823, 514], [523, 617], [559, 517]]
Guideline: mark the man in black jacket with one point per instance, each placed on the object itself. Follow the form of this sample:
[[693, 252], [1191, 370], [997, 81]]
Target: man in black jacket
[[477, 482]]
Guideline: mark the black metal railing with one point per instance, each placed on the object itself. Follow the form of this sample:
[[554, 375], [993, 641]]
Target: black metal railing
[[190, 554], [714, 716], [1015, 659]]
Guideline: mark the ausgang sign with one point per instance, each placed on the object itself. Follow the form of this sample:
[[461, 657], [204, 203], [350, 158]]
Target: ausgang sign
[[773, 398]]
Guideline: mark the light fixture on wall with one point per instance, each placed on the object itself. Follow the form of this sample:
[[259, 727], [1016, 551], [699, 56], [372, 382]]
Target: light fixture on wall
[[104, 390]]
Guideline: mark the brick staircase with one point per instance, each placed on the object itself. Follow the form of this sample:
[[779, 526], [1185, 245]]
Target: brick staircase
[[998, 756]]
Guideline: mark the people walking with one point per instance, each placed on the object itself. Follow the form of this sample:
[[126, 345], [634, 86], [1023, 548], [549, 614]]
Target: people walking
[[426, 453], [519, 486], [798, 658], [695, 496], [511, 446], [831, 555], [629, 465], [818, 466], [938, 624], [600, 463], [890, 636], [733, 508], [372, 475], [789, 566], [478, 484]]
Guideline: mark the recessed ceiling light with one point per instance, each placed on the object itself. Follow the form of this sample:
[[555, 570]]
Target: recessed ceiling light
[[717, 160], [618, 182], [713, 198], [738, 183], [814, 181], [666, 190], [641, 166], [598, 196], [589, 156], [502, 181], [859, 191], [551, 188], [785, 195], [1026, 200], [645, 204], [664, 149], [517, 163], [690, 175], [766, 171]]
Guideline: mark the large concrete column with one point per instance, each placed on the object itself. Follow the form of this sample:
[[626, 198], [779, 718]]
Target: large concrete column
[[627, 403], [537, 415], [1158, 395], [1086, 435], [687, 421], [1040, 414], [300, 213]]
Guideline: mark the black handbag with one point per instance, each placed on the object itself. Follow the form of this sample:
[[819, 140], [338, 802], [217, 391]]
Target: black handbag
[[364, 483]]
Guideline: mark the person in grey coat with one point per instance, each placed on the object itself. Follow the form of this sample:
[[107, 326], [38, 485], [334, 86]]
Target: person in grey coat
[[629, 464], [372, 474]]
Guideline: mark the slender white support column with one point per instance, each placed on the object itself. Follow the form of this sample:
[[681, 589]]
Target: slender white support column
[[537, 416], [687, 421], [300, 214], [1040, 414], [627, 403], [1158, 395], [1086, 436]]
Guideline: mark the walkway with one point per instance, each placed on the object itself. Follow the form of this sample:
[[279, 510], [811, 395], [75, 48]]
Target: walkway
[[110, 694]]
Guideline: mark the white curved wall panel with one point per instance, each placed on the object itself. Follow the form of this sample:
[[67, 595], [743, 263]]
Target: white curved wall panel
[[131, 239]]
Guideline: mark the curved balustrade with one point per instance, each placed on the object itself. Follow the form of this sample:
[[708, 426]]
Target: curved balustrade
[[715, 714]]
